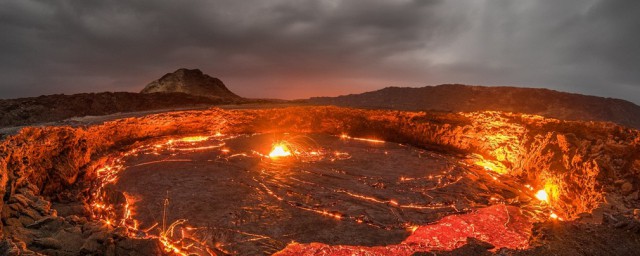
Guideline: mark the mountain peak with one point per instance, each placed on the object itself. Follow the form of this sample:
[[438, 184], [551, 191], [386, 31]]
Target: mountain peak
[[190, 81], [186, 71]]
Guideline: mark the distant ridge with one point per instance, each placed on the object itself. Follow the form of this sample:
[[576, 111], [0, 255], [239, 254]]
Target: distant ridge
[[52, 108], [190, 81], [467, 98]]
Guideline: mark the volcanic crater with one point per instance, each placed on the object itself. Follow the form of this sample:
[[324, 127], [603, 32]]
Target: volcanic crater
[[309, 180], [257, 203]]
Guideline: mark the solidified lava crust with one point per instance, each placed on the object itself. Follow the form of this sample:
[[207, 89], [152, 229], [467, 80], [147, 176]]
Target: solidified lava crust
[[325, 189], [48, 173]]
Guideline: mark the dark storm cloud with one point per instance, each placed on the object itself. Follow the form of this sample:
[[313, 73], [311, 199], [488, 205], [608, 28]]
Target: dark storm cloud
[[296, 49]]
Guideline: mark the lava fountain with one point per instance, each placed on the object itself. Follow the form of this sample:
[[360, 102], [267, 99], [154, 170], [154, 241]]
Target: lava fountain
[[279, 150]]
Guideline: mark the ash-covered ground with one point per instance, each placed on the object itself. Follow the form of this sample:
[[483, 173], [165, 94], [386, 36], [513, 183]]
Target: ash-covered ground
[[338, 191]]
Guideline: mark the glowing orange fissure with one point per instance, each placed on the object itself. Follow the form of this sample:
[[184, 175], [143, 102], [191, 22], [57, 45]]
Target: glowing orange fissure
[[347, 137]]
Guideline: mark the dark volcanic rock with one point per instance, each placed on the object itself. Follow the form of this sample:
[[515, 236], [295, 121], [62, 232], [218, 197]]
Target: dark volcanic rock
[[465, 98], [50, 108], [190, 81]]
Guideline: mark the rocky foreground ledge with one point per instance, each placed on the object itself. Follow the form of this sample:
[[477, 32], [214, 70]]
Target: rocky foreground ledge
[[591, 169]]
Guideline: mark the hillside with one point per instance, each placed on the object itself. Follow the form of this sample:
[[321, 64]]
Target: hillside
[[190, 81], [465, 98]]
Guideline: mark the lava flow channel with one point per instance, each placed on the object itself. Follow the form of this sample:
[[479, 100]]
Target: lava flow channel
[[262, 194]]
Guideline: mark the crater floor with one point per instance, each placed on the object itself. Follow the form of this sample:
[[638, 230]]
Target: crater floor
[[337, 191]]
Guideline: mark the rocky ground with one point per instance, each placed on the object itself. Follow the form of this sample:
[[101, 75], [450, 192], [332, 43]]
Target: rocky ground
[[33, 226], [590, 169]]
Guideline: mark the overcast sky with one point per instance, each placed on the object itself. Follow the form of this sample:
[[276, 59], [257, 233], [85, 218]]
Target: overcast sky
[[297, 49]]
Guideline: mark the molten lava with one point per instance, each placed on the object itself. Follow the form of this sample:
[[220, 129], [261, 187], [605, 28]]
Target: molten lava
[[502, 226], [194, 139]]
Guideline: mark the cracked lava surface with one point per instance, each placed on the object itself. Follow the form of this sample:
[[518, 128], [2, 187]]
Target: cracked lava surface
[[332, 195]]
